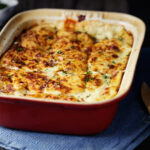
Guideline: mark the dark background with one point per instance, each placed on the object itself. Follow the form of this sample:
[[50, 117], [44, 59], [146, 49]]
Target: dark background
[[139, 8]]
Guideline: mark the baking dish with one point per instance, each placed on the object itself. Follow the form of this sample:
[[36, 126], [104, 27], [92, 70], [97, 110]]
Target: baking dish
[[61, 116]]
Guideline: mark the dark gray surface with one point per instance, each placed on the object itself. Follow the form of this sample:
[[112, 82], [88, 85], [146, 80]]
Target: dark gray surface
[[135, 7], [109, 5]]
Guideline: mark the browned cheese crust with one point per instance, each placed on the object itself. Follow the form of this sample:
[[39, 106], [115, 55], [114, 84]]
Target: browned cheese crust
[[71, 63]]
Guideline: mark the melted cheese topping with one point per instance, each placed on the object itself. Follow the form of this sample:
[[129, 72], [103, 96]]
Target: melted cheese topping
[[82, 61]]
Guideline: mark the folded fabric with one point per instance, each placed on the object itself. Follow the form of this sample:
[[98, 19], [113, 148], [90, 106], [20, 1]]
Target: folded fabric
[[129, 128]]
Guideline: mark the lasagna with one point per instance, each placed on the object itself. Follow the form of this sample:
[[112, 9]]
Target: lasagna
[[72, 60]]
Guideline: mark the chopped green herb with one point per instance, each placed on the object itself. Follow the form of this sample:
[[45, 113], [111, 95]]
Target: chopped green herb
[[59, 52], [87, 79], [49, 37], [65, 72], [54, 76], [106, 76], [121, 38], [108, 83], [88, 95], [72, 46], [89, 72], [19, 49], [15, 61], [9, 76], [46, 69], [50, 47], [106, 38], [107, 64], [59, 95], [113, 62], [99, 52], [51, 61], [128, 55]]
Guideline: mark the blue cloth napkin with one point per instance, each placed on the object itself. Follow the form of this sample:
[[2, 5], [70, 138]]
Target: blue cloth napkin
[[129, 128]]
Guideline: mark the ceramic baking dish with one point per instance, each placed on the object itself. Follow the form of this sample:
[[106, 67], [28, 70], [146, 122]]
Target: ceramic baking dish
[[61, 116]]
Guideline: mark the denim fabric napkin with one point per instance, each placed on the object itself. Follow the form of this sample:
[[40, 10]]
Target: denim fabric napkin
[[129, 128]]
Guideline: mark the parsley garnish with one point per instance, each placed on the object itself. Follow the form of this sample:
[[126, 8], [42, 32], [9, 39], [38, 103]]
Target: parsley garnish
[[99, 52], [19, 49], [106, 76], [108, 83], [46, 69], [65, 72], [50, 47], [49, 37], [89, 72], [88, 95], [59, 52], [113, 62], [9, 76], [87, 79], [121, 38], [72, 46]]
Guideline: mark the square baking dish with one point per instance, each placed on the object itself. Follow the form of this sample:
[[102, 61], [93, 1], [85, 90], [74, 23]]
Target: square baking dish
[[62, 116]]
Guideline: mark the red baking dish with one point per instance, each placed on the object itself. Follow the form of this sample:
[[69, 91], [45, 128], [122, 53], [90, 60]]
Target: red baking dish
[[62, 116]]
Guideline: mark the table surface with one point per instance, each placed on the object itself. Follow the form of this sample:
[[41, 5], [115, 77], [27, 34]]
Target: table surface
[[143, 146]]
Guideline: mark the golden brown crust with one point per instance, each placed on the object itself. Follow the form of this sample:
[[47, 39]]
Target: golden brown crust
[[68, 63]]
